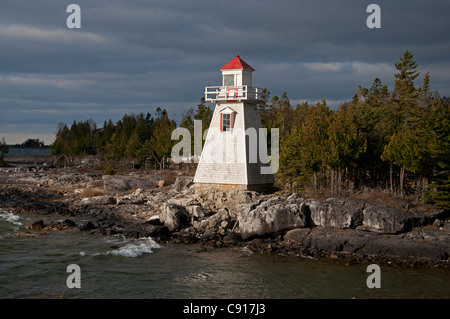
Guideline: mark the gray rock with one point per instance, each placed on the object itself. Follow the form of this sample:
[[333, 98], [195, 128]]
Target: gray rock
[[403, 247], [199, 212], [61, 225], [299, 235], [221, 222], [99, 200], [389, 220], [174, 217], [364, 243], [123, 183], [182, 184], [113, 183], [36, 225], [271, 217], [335, 213], [89, 225], [154, 220]]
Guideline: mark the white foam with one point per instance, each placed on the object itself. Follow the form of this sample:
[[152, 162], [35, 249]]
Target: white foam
[[136, 248], [308, 257], [10, 217], [246, 251]]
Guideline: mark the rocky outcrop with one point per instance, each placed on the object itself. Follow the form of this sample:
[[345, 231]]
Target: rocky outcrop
[[99, 200], [175, 217], [133, 205], [337, 213], [36, 225], [123, 183], [183, 185], [272, 216], [220, 223], [389, 220], [361, 242], [65, 224]]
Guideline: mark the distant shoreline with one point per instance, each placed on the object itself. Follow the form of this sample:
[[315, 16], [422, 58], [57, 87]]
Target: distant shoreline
[[28, 147], [27, 151]]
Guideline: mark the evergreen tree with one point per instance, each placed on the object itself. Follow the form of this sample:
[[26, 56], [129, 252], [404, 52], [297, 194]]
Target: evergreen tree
[[3, 148], [161, 140], [400, 115], [346, 144], [187, 121], [203, 113]]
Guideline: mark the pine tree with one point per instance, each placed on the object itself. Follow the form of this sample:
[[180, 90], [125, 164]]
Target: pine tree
[[400, 115], [187, 121], [3, 147], [161, 139], [204, 114], [346, 144]]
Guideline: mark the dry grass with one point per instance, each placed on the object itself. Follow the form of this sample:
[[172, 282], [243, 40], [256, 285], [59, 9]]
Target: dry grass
[[92, 192], [169, 175]]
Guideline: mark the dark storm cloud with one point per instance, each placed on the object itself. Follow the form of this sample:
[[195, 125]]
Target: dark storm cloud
[[133, 56]]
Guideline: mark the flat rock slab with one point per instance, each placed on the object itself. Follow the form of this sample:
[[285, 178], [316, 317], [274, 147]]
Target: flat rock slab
[[389, 220], [123, 183], [368, 243]]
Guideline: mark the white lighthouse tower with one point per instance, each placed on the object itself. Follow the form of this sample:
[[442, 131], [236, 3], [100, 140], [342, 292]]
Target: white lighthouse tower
[[234, 156]]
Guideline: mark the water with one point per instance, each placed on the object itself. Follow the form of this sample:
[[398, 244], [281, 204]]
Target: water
[[112, 267], [28, 151]]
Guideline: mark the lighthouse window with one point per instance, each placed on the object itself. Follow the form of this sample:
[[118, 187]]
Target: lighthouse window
[[226, 122], [228, 80]]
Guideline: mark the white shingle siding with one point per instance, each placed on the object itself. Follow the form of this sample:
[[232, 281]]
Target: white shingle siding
[[224, 159]]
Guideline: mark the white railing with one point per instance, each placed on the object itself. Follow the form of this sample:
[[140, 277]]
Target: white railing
[[233, 93]]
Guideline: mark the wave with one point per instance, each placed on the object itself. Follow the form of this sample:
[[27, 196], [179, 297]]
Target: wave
[[10, 217], [132, 249], [136, 249]]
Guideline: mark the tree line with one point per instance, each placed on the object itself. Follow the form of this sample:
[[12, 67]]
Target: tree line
[[141, 138], [396, 140]]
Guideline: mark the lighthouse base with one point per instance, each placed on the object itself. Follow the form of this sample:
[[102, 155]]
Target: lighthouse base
[[260, 188]]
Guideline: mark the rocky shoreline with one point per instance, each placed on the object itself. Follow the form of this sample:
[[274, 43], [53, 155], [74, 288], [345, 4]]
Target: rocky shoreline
[[164, 205]]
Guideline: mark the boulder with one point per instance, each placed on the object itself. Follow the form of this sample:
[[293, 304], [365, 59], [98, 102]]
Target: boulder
[[123, 183], [44, 208], [87, 226], [138, 197], [154, 220], [299, 235], [271, 217], [389, 220], [221, 222], [198, 212], [155, 231], [182, 184], [335, 213], [99, 200], [61, 225], [36, 225], [174, 217], [157, 200]]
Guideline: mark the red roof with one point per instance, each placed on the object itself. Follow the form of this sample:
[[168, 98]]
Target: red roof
[[237, 63]]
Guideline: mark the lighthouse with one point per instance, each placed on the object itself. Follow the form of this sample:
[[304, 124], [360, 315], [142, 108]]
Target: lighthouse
[[234, 156]]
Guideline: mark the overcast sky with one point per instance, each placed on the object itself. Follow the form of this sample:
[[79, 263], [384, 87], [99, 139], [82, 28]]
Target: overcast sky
[[132, 56]]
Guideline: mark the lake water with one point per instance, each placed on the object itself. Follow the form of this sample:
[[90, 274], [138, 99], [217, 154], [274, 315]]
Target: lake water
[[112, 267], [29, 151]]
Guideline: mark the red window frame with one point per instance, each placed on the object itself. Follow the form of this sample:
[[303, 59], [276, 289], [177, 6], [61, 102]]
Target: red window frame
[[231, 122]]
